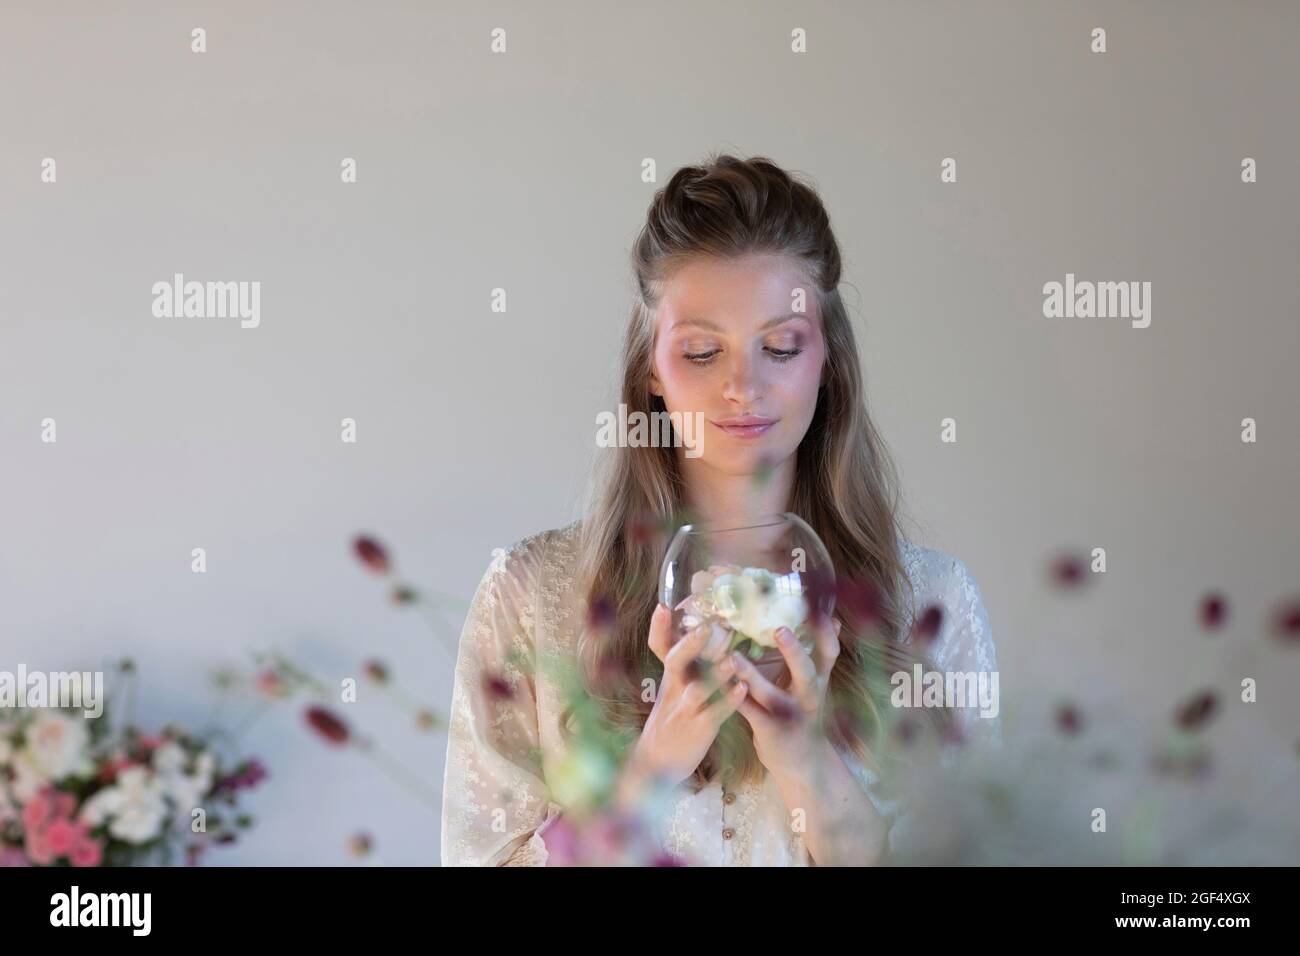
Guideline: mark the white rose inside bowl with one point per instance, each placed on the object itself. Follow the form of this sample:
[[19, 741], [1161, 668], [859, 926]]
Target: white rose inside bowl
[[753, 602]]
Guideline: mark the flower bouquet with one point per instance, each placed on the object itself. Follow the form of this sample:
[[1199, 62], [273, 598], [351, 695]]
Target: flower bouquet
[[73, 793]]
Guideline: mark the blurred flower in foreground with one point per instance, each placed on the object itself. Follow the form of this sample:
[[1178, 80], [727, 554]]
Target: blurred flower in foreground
[[1286, 622], [927, 625], [371, 553], [1214, 610], [270, 683], [1068, 571], [1196, 712], [1068, 719], [360, 844], [330, 728]]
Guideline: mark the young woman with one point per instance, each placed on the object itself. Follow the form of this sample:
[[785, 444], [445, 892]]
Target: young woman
[[738, 317]]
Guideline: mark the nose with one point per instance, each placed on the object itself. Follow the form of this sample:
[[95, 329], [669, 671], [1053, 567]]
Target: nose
[[742, 385]]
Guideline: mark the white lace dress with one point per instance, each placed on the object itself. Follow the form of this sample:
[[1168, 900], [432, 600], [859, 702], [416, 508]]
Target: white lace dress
[[495, 792]]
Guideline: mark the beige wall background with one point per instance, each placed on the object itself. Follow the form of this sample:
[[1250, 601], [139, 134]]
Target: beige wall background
[[522, 171]]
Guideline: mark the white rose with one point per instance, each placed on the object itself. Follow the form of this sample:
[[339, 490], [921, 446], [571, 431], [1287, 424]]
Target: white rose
[[758, 603], [135, 806], [29, 779], [56, 745]]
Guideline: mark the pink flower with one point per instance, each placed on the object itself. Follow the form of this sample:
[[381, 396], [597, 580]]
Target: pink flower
[[271, 684], [562, 840], [61, 837], [13, 856], [87, 853], [37, 811], [65, 804], [38, 848]]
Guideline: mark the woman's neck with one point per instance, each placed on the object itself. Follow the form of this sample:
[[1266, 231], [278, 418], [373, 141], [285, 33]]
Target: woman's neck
[[716, 497]]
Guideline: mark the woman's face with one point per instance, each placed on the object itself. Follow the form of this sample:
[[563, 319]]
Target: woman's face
[[729, 344]]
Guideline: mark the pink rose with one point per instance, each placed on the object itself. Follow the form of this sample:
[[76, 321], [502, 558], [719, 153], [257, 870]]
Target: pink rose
[[61, 836], [87, 853], [38, 848], [37, 811]]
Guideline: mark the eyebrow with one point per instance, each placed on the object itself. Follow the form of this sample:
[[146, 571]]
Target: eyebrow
[[713, 327]]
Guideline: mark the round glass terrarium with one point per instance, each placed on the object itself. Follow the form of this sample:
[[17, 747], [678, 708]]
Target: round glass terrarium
[[752, 578]]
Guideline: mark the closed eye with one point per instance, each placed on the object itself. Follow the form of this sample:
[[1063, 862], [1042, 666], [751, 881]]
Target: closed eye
[[778, 355]]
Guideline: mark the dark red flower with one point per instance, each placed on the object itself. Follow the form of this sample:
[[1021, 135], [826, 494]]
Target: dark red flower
[[640, 529], [667, 859], [782, 710], [1286, 622], [1214, 609], [1068, 571], [371, 553], [926, 627], [819, 593], [601, 615], [497, 687], [1196, 712], [860, 600], [1069, 720], [330, 727]]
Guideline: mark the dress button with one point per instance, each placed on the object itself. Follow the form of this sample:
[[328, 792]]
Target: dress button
[[728, 798], [728, 833]]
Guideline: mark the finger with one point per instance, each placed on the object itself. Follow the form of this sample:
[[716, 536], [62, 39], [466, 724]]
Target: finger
[[827, 649], [761, 689], [758, 718], [681, 654], [661, 625], [726, 705], [719, 640], [803, 672], [704, 681]]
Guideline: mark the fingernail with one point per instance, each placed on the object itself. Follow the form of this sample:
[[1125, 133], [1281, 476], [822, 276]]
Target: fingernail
[[784, 635]]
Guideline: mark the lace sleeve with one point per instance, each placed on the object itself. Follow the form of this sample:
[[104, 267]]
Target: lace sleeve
[[494, 794], [965, 647]]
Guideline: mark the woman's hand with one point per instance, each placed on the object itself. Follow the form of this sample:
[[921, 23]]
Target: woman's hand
[[683, 723], [787, 723]]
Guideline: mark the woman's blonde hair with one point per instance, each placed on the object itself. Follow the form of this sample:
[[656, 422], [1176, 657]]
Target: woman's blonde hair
[[845, 485]]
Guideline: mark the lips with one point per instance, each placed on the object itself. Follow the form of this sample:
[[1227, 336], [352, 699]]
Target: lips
[[748, 426]]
